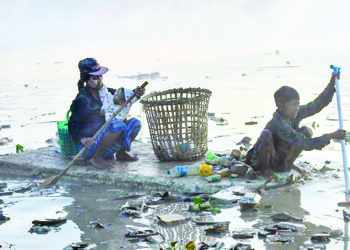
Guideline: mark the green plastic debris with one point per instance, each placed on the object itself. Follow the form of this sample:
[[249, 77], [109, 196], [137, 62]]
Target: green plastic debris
[[19, 148], [314, 125], [278, 177], [199, 206], [197, 200], [171, 247], [211, 156], [194, 208]]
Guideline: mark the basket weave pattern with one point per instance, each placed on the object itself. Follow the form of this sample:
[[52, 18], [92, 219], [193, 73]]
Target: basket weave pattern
[[178, 123]]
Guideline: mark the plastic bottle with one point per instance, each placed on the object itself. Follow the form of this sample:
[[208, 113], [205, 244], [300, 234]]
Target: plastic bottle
[[184, 170], [225, 161], [224, 172], [213, 178]]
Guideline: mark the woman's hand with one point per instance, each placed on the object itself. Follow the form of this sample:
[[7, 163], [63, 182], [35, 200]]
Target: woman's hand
[[139, 91], [87, 142]]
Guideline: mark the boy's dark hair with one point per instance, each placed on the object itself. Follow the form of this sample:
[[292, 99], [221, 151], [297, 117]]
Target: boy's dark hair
[[285, 94]]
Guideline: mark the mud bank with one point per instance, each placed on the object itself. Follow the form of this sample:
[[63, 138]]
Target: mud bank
[[148, 173]]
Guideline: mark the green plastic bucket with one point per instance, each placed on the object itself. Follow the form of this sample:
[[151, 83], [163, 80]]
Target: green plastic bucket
[[68, 147]]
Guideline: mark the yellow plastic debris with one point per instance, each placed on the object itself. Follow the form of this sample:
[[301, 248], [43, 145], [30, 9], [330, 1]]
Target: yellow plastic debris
[[205, 170]]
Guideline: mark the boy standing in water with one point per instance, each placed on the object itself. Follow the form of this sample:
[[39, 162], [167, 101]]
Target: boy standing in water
[[282, 141]]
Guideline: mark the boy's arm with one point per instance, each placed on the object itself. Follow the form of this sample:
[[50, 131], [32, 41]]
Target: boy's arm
[[291, 137], [319, 103]]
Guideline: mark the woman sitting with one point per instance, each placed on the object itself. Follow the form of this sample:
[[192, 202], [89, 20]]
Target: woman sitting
[[87, 117]]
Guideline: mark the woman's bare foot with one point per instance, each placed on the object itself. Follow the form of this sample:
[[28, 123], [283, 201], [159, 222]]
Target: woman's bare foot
[[122, 155], [100, 163]]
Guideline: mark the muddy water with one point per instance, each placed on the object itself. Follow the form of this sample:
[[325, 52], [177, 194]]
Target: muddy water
[[82, 204], [32, 113]]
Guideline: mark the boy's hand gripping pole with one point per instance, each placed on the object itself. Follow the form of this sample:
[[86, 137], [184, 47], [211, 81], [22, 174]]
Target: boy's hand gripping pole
[[336, 70]]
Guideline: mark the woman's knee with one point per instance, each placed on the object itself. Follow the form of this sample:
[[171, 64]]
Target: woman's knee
[[134, 122], [118, 126], [134, 126]]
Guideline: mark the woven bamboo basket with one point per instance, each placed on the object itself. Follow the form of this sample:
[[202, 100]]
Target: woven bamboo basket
[[178, 123]]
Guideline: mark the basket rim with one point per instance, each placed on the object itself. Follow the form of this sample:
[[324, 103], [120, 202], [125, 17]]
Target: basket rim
[[144, 100]]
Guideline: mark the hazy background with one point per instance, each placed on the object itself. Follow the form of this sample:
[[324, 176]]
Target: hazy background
[[241, 50]]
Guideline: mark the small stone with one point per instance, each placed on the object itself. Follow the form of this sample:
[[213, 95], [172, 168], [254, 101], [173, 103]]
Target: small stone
[[250, 200], [270, 230], [226, 161], [96, 224], [325, 169], [335, 176], [6, 193], [5, 140], [234, 175], [171, 218], [242, 246], [23, 189], [284, 217], [3, 217], [39, 229], [79, 245], [320, 237], [49, 222], [278, 238], [292, 226], [203, 246], [335, 233], [236, 154], [217, 230], [239, 168], [26, 85], [313, 246], [6, 126], [6, 246], [251, 123], [244, 234], [262, 234], [130, 213]]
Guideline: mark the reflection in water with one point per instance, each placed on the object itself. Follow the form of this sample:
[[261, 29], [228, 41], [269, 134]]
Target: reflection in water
[[346, 235], [286, 200], [36, 204], [346, 227], [84, 203]]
